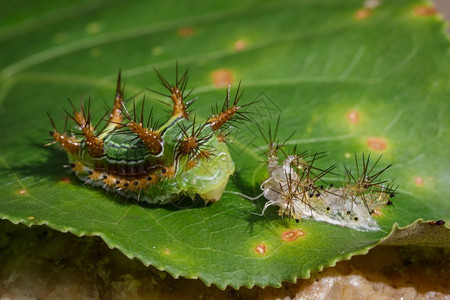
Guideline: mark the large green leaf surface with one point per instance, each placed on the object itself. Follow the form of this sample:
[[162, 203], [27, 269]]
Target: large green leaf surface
[[312, 61]]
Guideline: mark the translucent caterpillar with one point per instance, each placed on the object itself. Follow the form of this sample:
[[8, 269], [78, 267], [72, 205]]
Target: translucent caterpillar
[[293, 186]]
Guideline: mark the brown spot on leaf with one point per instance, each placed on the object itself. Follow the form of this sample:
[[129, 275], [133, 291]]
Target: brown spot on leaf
[[260, 249], [292, 235], [353, 117], [22, 192], [424, 10], [240, 45], [376, 143], [30, 218], [362, 14], [418, 180], [65, 180], [186, 31], [222, 77]]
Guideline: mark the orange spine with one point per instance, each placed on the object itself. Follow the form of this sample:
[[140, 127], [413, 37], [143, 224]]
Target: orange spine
[[116, 113], [70, 144], [94, 144], [179, 108], [150, 138], [219, 120]]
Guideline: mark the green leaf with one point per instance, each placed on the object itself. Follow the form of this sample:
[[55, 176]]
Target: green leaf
[[313, 61]]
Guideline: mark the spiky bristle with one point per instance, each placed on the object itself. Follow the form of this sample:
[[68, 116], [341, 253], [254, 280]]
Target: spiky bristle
[[116, 113], [176, 93], [192, 144], [229, 113], [69, 143]]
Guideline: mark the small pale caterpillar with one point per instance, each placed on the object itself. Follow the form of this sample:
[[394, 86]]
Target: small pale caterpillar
[[139, 159], [292, 185]]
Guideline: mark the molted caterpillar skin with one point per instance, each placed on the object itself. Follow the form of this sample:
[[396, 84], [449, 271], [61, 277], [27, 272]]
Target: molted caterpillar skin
[[138, 159], [292, 186], [295, 192]]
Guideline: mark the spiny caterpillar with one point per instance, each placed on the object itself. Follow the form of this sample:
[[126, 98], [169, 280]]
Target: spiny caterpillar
[[292, 185], [139, 159]]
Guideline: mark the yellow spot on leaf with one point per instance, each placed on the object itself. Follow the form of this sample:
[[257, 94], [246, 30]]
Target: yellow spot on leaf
[[93, 28], [157, 50]]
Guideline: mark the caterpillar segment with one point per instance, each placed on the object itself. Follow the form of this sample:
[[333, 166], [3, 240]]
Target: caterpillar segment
[[136, 158]]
